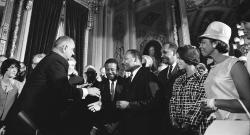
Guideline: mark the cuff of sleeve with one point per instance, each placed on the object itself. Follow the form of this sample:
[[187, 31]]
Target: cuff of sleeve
[[85, 93], [211, 104]]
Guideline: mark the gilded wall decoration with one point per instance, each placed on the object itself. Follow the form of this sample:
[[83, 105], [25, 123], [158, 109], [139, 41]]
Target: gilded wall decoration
[[118, 36], [143, 40], [202, 12], [119, 52], [197, 4], [15, 34]]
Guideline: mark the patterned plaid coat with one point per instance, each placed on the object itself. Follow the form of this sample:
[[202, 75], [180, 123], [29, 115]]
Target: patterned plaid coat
[[185, 101]]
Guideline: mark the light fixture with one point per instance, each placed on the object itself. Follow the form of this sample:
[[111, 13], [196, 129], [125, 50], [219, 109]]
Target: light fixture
[[95, 6]]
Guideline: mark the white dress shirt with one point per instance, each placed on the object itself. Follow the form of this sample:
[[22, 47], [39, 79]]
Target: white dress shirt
[[135, 72]]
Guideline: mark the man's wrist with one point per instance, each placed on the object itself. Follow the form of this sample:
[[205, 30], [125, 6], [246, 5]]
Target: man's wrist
[[85, 93]]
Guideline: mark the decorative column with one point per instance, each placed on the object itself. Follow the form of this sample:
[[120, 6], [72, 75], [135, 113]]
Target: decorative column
[[86, 43], [5, 26], [130, 36], [17, 26], [184, 35], [171, 27], [174, 25], [24, 31], [90, 25], [108, 44]]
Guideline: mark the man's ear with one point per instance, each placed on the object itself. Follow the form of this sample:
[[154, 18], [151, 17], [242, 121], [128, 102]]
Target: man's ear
[[214, 44], [135, 59], [64, 48]]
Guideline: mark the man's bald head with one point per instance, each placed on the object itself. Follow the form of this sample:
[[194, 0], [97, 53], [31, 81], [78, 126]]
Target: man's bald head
[[64, 46], [63, 40]]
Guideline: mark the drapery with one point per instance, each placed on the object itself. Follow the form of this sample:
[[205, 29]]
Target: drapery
[[43, 27], [76, 23]]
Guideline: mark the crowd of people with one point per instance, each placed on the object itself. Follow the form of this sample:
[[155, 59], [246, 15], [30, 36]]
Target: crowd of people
[[182, 98]]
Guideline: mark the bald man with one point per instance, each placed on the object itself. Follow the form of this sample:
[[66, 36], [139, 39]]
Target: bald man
[[43, 95]]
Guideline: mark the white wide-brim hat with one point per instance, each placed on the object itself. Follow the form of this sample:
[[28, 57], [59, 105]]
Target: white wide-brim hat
[[218, 31]]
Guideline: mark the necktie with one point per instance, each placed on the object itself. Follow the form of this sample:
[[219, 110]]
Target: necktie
[[130, 77], [112, 90], [170, 67]]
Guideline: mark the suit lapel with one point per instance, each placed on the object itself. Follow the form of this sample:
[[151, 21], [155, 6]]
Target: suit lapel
[[137, 76], [107, 87], [175, 70]]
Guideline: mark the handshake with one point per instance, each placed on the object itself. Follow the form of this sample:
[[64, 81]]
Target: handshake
[[96, 106]]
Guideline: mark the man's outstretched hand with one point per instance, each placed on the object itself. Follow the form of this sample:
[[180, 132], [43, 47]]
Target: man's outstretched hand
[[93, 91], [96, 106]]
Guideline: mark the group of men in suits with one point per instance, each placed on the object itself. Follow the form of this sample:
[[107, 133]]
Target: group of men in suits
[[142, 99], [137, 105]]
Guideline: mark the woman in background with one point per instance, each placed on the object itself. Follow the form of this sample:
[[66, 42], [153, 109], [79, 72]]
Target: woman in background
[[9, 87]]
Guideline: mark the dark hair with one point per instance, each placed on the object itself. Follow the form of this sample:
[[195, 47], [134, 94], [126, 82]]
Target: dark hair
[[157, 47], [189, 54], [172, 46], [237, 53], [112, 60], [9, 62], [221, 46], [23, 72], [245, 18], [135, 54]]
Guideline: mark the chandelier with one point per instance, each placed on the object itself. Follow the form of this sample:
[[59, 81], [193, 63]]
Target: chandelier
[[95, 5], [94, 9]]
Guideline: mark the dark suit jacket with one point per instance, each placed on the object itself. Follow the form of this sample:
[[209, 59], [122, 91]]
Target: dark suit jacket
[[43, 96], [77, 119], [140, 94], [110, 112], [76, 80], [165, 95], [167, 83]]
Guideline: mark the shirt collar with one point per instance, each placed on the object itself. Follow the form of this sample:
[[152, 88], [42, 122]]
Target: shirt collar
[[135, 72], [173, 66], [112, 81]]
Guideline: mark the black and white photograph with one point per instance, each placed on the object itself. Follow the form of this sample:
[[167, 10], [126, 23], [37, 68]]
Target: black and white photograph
[[124, 67]]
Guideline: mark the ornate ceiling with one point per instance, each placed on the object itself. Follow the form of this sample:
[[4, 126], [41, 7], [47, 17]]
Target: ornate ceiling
[[150, 13], [199, 12]]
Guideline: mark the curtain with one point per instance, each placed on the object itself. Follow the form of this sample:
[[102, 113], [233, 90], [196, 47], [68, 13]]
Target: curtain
[[43, 27], [61, 26], [76, 23], [61, 30]]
